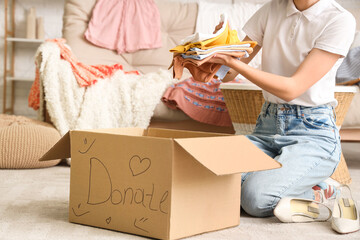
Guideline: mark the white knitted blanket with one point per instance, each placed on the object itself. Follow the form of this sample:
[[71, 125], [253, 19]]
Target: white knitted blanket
[[123, 100]]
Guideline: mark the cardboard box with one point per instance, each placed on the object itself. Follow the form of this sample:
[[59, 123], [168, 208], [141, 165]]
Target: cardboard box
[[159, 183]]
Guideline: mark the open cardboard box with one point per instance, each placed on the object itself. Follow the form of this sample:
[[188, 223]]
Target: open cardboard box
[[165, 184]]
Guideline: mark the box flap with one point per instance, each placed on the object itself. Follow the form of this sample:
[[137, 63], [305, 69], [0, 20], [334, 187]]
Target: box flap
[[173, 133], [130, 131], [228, 155], [60, 150]]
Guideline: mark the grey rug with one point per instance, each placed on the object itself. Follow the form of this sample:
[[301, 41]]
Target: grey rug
[[34, 206]]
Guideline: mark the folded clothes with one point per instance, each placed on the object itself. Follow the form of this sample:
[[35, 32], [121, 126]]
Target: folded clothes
[[200, 45], [195, 55], [223, 70], [201, 70], [202, 56], [198, 51], [226, 36]]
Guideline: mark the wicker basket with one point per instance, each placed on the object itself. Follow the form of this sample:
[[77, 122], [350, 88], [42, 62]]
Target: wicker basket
[[244, 102]]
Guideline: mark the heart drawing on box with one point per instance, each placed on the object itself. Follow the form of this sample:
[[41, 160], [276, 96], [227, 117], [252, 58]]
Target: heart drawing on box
[[139, 165]]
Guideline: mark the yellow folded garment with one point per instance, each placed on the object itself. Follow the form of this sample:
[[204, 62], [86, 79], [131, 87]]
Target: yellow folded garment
[[227, 37]]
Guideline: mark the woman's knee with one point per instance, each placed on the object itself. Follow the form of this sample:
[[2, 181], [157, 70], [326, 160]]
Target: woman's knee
[[257, 201]]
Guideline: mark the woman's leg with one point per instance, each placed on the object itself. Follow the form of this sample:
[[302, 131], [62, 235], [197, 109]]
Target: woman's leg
[[309, 150]]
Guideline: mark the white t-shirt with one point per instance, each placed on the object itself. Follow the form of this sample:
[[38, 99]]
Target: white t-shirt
[[287, 35]]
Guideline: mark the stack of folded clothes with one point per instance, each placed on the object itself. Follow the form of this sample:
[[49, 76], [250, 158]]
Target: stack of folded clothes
[[198, 48]]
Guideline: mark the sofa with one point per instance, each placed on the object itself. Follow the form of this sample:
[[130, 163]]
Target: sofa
[[175, 25], [178, 20]]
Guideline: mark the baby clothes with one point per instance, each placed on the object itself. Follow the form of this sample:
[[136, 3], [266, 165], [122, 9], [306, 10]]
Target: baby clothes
[[125, 25], [201, 70], [202, 102], [226, 37], [195, 55], [199, 51], [199, 55]]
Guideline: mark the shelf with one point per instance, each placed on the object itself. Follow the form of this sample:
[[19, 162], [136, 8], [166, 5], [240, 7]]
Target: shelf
[[11, 42], [13, 39], [25, 79]]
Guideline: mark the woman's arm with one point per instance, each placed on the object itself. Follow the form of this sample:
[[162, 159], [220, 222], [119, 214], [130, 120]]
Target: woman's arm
[[232, 73], [311, 70]]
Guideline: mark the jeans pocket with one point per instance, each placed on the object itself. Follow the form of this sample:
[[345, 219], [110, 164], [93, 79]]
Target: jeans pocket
[[259, 121], [318, 121]]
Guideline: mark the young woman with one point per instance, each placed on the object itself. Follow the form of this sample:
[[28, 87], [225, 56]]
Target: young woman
[[303, 43]]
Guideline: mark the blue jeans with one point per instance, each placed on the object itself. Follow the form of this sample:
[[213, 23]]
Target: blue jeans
[[305, 140]]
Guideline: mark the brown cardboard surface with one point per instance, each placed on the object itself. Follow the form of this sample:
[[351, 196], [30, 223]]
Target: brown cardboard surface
[[123, 131], [204, 202], [191, 125], [157, 183], [60, 150], [121, 182], [228, 154], [167, 133]]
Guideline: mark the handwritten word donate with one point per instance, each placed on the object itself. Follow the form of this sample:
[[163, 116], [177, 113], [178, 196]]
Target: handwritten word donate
[[101, 190]]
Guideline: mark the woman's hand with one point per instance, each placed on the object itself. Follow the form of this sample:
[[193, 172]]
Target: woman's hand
[[222, 59], [218, 27]]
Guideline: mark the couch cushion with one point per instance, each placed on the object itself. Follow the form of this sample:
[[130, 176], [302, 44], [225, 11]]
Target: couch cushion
[[178, 20], [23, 141]]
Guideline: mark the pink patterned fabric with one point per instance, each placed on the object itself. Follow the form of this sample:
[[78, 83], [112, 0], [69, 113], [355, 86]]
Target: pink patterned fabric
[[125, 25], [203, 102]]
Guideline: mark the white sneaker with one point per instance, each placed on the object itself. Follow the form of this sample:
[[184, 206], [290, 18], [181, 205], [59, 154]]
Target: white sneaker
[[345, 214], [301, 210]]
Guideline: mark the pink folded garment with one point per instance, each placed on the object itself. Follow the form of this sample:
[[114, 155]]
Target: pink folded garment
[[201, 70], [202, 102], [125, 25]]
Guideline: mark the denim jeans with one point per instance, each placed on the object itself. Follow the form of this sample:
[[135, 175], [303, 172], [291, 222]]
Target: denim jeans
[[305, 140]]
